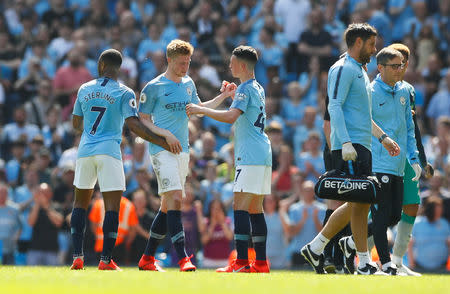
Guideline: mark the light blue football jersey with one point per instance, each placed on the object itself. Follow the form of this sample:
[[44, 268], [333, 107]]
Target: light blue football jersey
[[104, 105], [251, 146], [166, 100]]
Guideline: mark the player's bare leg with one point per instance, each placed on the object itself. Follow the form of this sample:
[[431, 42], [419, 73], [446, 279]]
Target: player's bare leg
[[78, 225]]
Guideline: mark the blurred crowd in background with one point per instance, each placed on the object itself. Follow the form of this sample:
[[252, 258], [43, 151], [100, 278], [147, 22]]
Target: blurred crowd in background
[[48, 48]]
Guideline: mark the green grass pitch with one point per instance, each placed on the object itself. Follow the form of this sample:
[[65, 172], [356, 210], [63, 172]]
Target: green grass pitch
[[50, 280]]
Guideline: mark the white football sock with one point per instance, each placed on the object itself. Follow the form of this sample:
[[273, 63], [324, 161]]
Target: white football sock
[[318, 244], [364, 258]]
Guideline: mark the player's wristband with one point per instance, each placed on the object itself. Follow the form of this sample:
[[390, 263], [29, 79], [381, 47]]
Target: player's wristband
[[384, 136]]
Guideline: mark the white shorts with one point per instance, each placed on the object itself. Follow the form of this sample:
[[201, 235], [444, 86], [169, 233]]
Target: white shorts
[[107, 169], [255, 179], [171, 170]]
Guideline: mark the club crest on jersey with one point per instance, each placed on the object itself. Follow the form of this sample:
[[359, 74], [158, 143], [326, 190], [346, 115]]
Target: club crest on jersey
[[189, 91], [403, 100], [143, 98], [132, 103]]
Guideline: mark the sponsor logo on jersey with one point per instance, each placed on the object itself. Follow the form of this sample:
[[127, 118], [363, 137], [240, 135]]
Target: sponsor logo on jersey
[[177, 106]]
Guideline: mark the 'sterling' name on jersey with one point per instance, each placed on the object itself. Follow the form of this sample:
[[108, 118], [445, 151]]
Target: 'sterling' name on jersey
[[99, 95]]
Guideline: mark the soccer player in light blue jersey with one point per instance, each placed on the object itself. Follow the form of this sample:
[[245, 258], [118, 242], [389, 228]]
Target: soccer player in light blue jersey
[[162, 106], [253, 160], [101, 108], [351, 138]]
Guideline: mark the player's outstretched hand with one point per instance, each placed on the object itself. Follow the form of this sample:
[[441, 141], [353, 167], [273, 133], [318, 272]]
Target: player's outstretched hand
[[348, 151], [391, 146], [174, 144], [193, 109], [429, 171]]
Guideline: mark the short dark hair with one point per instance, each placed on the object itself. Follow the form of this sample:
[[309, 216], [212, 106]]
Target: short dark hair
[[247, 54], [387, 54], [358, 30], [111, 58]]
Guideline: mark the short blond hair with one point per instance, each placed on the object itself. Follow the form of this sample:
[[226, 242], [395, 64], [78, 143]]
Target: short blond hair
[[179, 47], [403, 49]]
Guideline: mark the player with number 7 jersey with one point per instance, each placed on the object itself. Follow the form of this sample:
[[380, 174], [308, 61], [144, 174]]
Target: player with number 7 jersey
[[253, 160], [102, 107]]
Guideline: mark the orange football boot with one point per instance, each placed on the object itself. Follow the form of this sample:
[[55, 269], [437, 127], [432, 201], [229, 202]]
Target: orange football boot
[[186, 264], [149, 263], [236, 266], [260, 266], [77, 264], [111, 266]]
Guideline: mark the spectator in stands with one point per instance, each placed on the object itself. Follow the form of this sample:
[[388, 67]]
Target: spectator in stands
[[216, 235], [23, 197], [430, 243], [146, 217], [211, 186], [282, 178], [293, 16], [292, 109], [315, 41], [303, 131], [437, 188], [439, 105], [56, 15], [151, 44], [270, 56], [10, 225], [38, 106], [127, 226], [63, 191], [18, 130], [97, 14], [13, 166], [277, 230], [305, 221], [45, 220], [67, 81], [310, 162], [43, 161], [61, 45], [438, 147], [274, 131], [309, 80], [130, 34], [57, 137]]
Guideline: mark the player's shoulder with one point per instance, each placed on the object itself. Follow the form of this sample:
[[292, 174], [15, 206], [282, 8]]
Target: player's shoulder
[[125, 88], [88, 84], [157, 81], [187, 80], [343, 67]]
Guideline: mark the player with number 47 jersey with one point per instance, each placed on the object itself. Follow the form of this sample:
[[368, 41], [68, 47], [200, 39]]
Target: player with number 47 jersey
[[253, 160]]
